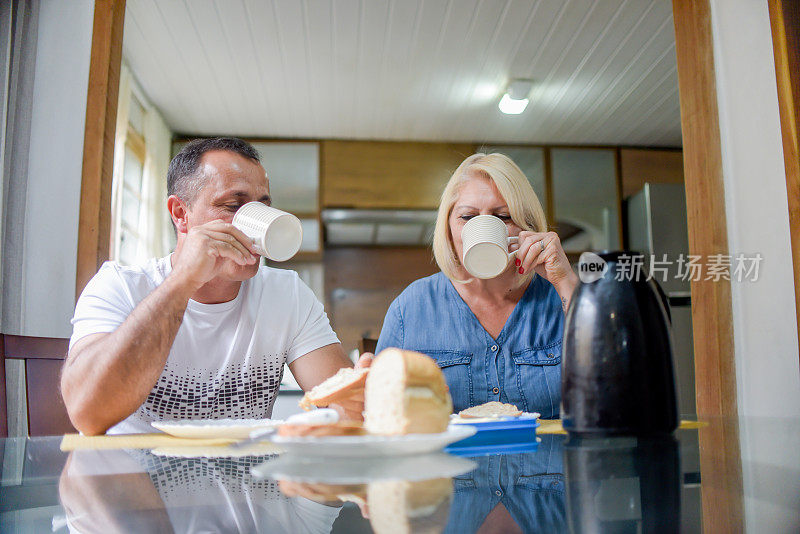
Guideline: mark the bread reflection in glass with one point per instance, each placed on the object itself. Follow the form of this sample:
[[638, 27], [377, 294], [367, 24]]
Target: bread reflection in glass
[[403, 506], [396, 506]]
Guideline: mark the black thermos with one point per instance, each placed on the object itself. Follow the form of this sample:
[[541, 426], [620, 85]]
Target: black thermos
[[617, 374]]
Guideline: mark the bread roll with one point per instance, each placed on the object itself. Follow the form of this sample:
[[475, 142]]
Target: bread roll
[[491, 409], [405, 393], [345, 383]]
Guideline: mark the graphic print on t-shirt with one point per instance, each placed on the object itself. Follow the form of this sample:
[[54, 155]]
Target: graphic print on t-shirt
[[240, 392]]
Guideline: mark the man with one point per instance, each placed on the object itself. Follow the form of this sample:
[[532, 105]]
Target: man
[[204, 332]]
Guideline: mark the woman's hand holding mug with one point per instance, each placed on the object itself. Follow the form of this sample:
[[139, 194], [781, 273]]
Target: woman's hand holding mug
[[542, 251]]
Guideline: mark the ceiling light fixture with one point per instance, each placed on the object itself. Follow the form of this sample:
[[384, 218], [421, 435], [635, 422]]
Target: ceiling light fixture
[[515, 99]]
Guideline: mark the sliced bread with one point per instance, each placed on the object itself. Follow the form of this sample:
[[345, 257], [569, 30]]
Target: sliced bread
[[345, 383], [491, 409]]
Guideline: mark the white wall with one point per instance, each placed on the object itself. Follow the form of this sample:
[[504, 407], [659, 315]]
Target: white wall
[[765, 328], [54, 167]]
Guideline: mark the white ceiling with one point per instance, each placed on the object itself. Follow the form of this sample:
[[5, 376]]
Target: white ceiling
[[605, 70]]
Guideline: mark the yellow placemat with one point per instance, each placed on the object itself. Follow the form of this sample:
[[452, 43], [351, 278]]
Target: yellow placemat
[[72, 442], [692, 425], [553, 426], [550, 426]]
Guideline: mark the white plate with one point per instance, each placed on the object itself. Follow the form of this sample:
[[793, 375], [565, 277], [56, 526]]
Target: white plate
[[363, 470], [214, 428], [372, 445]]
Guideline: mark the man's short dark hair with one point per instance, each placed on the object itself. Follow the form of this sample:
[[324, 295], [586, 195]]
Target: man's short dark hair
[[183, 180]]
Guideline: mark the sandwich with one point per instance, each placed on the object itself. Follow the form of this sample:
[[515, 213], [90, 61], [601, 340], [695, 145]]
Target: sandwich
[[491, 409], [343, 385], [405, 393]]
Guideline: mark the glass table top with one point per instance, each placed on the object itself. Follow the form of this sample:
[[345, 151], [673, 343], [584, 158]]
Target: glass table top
[[731, 474]]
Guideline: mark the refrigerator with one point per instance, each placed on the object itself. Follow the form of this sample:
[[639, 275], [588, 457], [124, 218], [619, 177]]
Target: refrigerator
[[656, 225]]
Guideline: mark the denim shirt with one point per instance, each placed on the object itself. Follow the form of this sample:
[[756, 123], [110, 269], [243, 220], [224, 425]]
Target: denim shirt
[[522, 366]]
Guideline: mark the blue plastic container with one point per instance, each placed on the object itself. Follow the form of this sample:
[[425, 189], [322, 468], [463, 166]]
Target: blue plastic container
[[506, 436]]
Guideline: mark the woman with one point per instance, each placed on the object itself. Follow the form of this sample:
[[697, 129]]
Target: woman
[[496, 339]]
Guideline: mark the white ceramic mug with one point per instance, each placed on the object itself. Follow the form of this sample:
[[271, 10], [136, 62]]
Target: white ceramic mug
[[276, 234], [485, 243]]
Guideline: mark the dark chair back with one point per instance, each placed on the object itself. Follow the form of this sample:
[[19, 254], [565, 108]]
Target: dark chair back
[[367, 345], [3, 407], [43, 357]]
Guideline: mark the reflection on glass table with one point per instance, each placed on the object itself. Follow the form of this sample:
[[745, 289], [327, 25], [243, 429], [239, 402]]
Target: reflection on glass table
[[512, 493], [395, 494], [137, 491], [725, 475], [519, 492], [623, 484]]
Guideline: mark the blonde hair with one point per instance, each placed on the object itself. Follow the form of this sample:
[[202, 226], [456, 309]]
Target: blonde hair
[[523, 205]]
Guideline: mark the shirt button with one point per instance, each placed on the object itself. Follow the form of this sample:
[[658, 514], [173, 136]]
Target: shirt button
[[495, 390], [550, 355], [494, 348], [498, 493]]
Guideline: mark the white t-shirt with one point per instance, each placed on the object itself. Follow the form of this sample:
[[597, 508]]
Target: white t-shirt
[[227, 359]]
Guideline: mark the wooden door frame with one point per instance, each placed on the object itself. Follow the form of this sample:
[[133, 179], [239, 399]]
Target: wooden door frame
[[94, 221], [712, 313]]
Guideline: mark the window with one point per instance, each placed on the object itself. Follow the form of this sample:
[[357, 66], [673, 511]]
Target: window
[[140, 223], [131, 203], [127, 237]]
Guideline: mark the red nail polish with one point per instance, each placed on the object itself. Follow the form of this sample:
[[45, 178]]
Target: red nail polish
[[517, 262], [521, 270]]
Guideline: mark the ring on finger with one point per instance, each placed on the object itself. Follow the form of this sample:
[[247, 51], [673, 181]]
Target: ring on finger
[[541, 244]]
